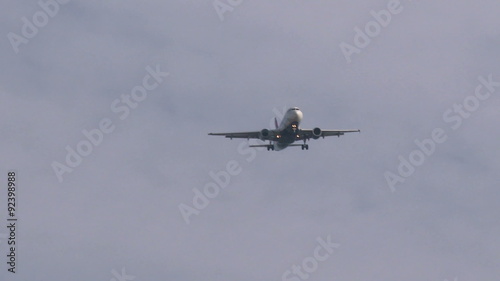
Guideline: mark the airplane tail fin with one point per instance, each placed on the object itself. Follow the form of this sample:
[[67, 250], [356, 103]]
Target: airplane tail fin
[[276, 122]]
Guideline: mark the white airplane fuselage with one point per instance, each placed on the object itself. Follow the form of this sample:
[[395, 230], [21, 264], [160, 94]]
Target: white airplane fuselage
[[288, 127]]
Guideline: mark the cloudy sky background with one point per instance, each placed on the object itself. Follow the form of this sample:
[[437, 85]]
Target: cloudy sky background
[[119, 208]]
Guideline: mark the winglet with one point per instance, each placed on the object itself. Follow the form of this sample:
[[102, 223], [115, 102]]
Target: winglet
[[276, 122]]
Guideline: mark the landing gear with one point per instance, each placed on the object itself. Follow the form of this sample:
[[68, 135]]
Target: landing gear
[[305, 146], [270, 146]]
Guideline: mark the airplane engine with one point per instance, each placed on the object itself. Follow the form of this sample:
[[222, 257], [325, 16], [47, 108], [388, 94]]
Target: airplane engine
[[316, 133], [264, 134]]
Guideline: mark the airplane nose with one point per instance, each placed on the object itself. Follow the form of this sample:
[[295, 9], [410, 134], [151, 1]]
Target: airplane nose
[[298, 115]]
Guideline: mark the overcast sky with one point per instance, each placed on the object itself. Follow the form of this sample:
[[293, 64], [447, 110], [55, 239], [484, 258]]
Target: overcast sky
[[68, 68]]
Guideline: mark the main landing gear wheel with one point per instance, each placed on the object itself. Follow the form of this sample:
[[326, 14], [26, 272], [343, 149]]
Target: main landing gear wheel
[[270, 147], [305, 146]]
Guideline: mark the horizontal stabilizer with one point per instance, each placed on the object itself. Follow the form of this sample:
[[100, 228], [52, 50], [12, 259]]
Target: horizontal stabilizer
[[266, 145]]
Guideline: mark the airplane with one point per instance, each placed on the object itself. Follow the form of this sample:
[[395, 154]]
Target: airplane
[[286, 133]]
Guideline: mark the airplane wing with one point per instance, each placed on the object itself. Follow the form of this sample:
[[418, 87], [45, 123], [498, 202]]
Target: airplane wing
[[239, 135], [305, 133]]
